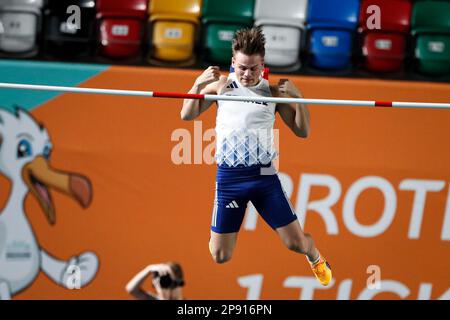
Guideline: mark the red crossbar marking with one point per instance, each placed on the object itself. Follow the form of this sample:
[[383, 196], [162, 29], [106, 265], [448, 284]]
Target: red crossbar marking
[[178, 95], [266, 73], [383, 104]]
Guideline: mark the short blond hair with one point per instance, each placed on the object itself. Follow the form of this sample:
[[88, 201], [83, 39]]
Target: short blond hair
[[249, 41]]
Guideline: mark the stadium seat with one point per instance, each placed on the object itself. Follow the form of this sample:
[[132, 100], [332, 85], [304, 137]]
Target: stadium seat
[[283, 26], [174, 29], [331, 27], [221, 19], [384, 52], [21, 24], [433, 54], [121, 27], [384, 49], [431, 28], [62, 38]]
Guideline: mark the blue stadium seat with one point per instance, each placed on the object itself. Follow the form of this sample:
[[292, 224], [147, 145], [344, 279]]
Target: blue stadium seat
[[332, 26]]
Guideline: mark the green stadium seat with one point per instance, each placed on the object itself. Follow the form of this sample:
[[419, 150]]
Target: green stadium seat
[[433, 54], [221, 19], [431, 29]]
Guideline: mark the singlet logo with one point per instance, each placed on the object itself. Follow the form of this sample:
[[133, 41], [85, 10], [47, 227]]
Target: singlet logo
[[232, 85]]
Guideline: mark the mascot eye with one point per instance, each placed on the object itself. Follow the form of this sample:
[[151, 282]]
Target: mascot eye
[[24, 149], [47, 152]]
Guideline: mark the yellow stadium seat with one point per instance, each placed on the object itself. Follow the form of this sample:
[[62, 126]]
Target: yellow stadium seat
[[174, 30]]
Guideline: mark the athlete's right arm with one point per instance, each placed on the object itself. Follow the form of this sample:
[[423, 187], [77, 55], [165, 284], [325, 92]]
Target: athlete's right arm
[[206, 83]]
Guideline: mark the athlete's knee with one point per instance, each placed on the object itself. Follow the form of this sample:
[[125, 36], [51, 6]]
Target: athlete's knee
[[299, 244], [221, 255]]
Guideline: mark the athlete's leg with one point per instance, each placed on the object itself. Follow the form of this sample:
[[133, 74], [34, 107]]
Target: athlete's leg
[[221, 246], [228, 213], [274, 206], [296, 240]]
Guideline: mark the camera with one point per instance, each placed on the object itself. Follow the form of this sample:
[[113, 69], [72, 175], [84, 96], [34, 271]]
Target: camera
[[166, 281]]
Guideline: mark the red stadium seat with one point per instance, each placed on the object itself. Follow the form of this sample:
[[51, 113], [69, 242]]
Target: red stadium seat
[[384, 49], [122, 25]]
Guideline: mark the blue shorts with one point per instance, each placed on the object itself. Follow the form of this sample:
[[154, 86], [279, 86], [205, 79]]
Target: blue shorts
[[236, 186]]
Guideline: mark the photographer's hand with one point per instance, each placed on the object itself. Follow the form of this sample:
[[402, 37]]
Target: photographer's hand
[[162, 270], [134, 287]]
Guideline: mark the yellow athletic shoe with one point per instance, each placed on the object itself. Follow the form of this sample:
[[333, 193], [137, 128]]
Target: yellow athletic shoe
[[322, 271]]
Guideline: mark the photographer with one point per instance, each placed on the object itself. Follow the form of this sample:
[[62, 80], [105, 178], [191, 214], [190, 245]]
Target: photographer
[[167, 279]]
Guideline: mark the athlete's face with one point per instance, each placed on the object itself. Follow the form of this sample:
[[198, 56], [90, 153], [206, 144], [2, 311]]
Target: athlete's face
[[248, 69]]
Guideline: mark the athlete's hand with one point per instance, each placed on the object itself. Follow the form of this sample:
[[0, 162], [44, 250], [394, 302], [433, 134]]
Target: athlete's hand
[[288, 89], [208, 76]]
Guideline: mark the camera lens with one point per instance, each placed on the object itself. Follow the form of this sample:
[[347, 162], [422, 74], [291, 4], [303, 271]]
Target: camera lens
[[165, 281]]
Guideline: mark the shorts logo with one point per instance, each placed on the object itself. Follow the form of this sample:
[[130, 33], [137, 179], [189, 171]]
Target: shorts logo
[[233, 204]]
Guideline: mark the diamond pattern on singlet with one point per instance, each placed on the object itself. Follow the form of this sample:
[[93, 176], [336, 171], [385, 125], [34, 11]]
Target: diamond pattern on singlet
[[246, 147], [244, 129]]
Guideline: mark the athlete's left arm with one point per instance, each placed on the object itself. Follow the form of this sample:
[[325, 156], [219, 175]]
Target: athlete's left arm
[[295, 115]]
